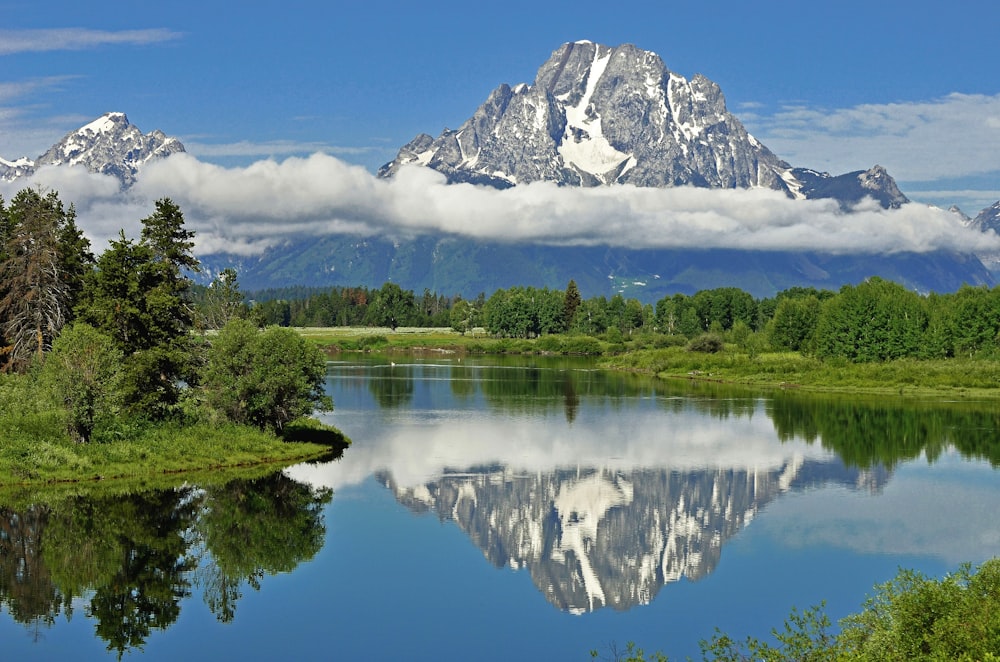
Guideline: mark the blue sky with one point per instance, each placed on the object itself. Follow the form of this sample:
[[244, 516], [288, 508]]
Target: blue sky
[[839, 86]]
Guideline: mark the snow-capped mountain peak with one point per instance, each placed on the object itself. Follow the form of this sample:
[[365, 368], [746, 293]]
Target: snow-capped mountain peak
[[598, 115], [108, 145], [601, 115]]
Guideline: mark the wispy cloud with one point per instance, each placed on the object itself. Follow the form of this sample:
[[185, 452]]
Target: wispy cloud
[[75, 39], [11, 90], [270, 148], [954, 136], [249, 208]]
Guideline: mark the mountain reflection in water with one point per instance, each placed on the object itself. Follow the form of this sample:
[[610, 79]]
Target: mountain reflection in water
[[592, 538], [642, 482]]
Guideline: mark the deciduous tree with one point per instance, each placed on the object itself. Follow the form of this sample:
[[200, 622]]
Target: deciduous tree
[[264, 378]]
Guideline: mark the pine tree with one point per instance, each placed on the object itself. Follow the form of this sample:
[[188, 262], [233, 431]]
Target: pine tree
[[570, 304], [140, 295], [35, 299]]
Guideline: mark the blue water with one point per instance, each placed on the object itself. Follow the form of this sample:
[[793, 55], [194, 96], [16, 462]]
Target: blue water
[[397, 578]]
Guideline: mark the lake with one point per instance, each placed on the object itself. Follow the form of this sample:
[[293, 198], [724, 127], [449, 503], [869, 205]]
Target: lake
[[513, 508]]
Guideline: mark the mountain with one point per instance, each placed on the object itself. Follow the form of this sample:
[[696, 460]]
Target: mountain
[[109, 145], [593, 116], [601, 116], [453, 265], [11, 170], [850, 188], [597, 115], [986, 220]]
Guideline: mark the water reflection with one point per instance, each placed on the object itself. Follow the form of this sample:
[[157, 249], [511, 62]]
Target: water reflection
[[888, 431], [131, 560], [592, 537], [605, 486]]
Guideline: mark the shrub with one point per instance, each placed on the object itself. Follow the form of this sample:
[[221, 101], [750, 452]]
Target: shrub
[[708, 343], [264, 378]]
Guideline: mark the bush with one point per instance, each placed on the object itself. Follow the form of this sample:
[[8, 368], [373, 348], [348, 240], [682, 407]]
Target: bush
[[264, 378], [675, 340], [369, 342], [83, 371], [707, 343], [583, 345]]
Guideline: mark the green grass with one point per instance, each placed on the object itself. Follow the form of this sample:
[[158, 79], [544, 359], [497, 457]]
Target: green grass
[[445, 340], [156, 451], [966, 376]]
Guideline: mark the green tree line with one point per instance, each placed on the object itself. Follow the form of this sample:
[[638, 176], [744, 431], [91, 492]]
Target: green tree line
[[876, 320]]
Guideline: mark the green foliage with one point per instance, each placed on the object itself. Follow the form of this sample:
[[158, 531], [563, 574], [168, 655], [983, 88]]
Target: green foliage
[[915, 617], [83, 371], [391, 307], [139, 295], [911, 617], [975, 320], [794, 322], [524, 312], [42, 257], [874, 321], [707, 343], [263, 378]]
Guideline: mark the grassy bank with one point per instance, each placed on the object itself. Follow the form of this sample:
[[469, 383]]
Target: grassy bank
[[969, 377], [33, 456]]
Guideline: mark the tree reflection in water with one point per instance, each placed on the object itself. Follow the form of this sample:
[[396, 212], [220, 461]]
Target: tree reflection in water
[[134, 558]]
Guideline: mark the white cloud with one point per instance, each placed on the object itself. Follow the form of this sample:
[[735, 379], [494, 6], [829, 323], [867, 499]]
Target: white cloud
[[74, 39], [954, 136], [247, 209]]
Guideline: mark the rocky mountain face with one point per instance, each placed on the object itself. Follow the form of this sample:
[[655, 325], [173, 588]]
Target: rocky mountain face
[[598, 115], [109, 145], [850, 188], [986, 220], [593, 538], [11, 170]]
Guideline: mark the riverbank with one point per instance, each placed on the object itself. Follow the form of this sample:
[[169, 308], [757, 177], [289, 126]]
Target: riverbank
[[955, 377], [39, 457], [970, 377]]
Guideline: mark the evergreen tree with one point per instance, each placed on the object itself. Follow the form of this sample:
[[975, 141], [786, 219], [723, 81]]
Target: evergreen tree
[[570, 304], [35, 298], [140, 295]]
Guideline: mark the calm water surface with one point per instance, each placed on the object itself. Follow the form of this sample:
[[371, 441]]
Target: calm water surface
[[513, 509]]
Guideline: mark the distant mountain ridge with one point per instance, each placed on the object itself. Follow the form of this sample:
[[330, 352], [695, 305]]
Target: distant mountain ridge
[[109, 145]]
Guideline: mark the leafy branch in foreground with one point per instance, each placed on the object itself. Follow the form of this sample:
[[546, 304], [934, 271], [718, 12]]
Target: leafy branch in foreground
[[911, 617]]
